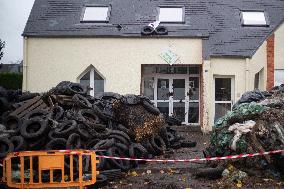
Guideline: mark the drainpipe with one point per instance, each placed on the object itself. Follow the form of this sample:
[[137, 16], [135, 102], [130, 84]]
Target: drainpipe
[[247, 74], [25, 65]]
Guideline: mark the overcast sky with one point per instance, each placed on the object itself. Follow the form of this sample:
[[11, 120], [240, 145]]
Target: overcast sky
[[13, 17]]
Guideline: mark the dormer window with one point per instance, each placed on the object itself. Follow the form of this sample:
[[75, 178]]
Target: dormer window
[[171, 14], [96, 14], [254, 18]]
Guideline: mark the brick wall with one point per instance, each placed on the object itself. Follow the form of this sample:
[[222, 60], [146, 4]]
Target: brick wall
[[270, 62]]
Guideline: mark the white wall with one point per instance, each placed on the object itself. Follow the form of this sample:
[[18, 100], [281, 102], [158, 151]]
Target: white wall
[[231, 67], [256, 64], [49, 60], [242, 71], [279, 48]]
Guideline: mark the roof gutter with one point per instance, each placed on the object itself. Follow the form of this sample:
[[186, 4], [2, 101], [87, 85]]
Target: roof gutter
[[25, 65], [136, 35], [247, 74]]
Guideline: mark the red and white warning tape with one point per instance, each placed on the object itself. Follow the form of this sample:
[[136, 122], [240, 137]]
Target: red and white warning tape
[[195, 159], [180, 160]]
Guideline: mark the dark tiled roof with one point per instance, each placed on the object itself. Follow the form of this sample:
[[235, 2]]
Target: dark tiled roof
[[228, 37], [218, 22]]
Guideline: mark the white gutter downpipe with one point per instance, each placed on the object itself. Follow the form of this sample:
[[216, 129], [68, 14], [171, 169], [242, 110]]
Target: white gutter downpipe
[[25, 65], [247, 74]]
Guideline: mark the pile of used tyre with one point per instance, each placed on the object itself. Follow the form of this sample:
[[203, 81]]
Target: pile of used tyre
[[256, 124], [116, 125]]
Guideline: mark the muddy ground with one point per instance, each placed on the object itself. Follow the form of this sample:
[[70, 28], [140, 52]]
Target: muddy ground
[[180, 175]]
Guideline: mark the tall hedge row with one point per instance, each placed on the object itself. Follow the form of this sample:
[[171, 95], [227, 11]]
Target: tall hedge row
[[11, 81]]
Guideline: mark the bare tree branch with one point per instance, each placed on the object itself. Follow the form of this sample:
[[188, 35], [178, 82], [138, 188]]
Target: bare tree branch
[[2, 46]]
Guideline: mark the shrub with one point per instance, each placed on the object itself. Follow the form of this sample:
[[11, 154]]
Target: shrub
[[12, 81]]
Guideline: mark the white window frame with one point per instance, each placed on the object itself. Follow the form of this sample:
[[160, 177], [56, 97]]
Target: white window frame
[[92, 71], [249, 22], [96, 20], [275, 81], [172, 7], [232, 91], [260, 79]]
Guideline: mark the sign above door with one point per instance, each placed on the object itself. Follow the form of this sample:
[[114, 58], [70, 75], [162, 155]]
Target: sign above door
[[169, 56]]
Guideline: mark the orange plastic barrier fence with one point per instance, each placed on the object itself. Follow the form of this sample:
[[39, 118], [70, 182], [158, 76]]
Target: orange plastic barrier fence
[[50, 169]]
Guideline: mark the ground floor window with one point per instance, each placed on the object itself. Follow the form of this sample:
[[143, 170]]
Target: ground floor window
[[259, 80], [279, 77], [175, 90], [91, 78], [224, 95]]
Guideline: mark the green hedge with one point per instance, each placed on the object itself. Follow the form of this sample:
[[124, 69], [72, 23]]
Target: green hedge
[[11, 81]]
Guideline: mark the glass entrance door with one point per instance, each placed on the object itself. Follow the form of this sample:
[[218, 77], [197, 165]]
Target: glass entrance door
[[175, 91], [164, 97], [179, 99], [171, 97]]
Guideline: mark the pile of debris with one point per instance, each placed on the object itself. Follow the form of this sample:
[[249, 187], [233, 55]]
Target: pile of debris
[[256, 124], [67, 118]]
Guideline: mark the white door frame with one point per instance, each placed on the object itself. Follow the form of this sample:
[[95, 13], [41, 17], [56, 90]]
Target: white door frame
[[171, 89], [232, 91], [187, 99], [171, 101]]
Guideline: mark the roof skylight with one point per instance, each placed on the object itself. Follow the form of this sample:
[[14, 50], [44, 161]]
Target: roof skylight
[[171, 14], [96, 13], [254, 18]]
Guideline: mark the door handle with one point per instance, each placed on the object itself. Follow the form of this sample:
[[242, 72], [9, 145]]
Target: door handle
[[189, 93], [171, 94]]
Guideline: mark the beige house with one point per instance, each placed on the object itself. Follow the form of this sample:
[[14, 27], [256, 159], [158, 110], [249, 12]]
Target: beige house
[[200, 59]]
